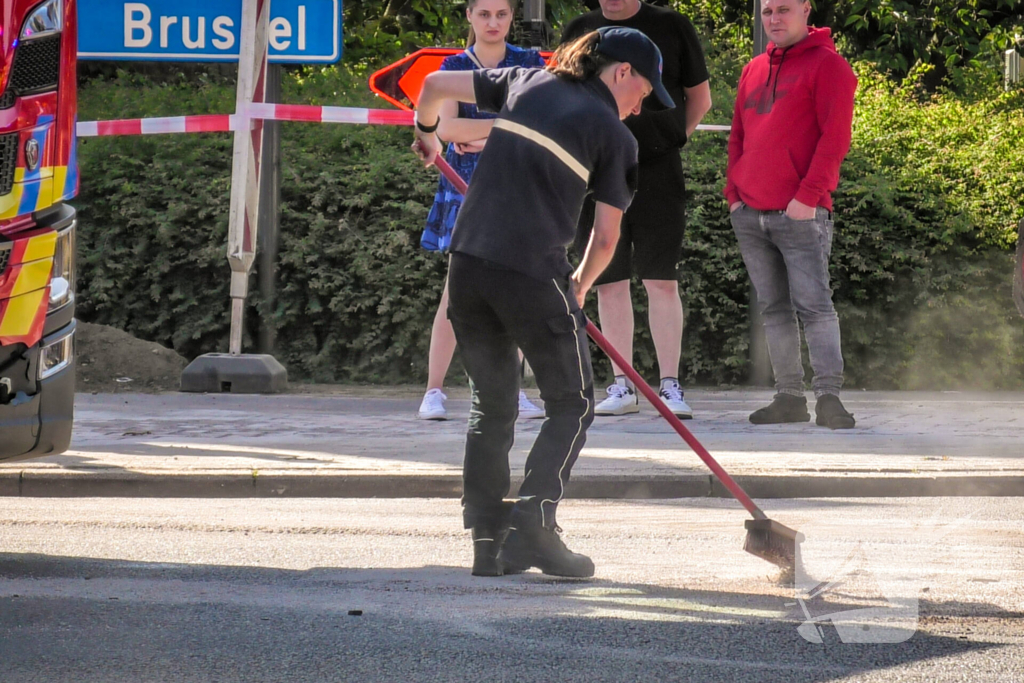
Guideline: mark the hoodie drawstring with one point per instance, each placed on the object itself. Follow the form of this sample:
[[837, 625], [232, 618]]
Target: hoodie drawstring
[[778, 72]]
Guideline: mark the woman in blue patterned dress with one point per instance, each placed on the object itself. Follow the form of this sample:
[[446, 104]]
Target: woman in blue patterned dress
[[466, 131]]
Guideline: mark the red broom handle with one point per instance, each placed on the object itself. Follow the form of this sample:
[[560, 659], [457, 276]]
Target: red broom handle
[[460, 185], [448, 172], [676, 423]]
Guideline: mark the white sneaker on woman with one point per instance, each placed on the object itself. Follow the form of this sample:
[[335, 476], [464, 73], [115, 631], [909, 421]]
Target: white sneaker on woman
[[621, 400], [527, 409], [432, 407], [672, 396]]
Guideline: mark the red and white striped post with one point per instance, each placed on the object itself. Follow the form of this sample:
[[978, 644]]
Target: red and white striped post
[[237, 372], [245, 163]]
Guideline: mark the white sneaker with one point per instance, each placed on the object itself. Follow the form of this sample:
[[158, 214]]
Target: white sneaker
[[527, 409], [621, 400], [672, 396], [432, 407]]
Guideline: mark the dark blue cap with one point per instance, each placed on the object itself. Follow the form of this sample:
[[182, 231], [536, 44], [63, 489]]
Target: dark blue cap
[[636, 49]]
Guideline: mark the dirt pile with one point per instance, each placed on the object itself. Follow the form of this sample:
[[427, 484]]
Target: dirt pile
[[112, 360]]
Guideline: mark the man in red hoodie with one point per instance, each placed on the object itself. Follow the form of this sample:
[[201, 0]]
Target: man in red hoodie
[[790, 131]]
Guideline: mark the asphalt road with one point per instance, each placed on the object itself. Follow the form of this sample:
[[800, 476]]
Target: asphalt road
[[377, 590]]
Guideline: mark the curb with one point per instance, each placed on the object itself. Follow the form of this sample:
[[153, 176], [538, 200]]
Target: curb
[[141, 485]]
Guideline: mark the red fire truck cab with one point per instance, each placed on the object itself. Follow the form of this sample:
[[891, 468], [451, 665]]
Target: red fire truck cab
[[38, 174]]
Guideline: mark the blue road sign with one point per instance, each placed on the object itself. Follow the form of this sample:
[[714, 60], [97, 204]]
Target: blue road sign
[[301, 31]]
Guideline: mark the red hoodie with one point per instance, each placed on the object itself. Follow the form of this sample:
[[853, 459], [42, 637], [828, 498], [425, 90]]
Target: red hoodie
[[791, 125]]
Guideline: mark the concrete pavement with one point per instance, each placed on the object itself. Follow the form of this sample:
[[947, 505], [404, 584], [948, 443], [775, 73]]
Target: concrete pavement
[[367, 442]]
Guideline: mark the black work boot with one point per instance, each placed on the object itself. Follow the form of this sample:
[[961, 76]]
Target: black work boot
[[486, 544], [530, 543], [783, 408], [489, 529], [829, 412]]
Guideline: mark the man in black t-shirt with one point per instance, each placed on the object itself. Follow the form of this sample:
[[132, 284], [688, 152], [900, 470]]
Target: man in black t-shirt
[[652, 230]]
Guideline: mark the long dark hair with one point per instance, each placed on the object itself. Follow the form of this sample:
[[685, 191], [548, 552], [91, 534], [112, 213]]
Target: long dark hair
[[471, 35], [579, 60]]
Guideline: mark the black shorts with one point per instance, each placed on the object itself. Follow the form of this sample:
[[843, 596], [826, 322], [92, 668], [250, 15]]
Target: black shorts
[[651, 243]]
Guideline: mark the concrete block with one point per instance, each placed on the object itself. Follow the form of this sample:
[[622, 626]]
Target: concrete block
[[247, 373]]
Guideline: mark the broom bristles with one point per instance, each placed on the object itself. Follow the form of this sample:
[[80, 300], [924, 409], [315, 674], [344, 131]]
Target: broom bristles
[[772, 541]]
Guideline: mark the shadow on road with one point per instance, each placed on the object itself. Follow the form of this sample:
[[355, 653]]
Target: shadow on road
[[83, 619]]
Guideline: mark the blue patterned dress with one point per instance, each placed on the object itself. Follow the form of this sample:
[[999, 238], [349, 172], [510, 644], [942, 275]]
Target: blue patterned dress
[[441, 220]]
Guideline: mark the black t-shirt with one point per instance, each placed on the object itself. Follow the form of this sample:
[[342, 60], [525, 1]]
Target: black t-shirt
[[554, 141], [657, 130]]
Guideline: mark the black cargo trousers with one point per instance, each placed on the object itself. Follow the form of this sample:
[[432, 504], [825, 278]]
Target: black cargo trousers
[[494, 310]]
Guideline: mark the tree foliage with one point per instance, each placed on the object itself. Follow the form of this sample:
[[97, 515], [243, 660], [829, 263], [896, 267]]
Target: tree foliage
[[931, 41], [925, 216], [934, 40], [925, 211], [942, 37]]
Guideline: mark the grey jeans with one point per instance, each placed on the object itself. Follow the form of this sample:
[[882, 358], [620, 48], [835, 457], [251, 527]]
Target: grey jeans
[[788, 263]]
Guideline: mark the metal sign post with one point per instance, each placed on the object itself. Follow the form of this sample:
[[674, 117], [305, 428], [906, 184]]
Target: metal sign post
[[760, 363], [270, 215], [760, 37], [1018, 277], [1011, 72], [534, 31]]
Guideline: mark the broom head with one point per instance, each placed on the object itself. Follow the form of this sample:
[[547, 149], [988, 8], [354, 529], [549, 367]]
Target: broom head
[[772, 541]]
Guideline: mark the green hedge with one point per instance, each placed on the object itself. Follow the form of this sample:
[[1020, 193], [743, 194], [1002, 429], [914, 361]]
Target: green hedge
[[925, 216]]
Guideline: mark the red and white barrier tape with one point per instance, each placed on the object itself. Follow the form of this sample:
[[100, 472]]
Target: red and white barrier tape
[[223, 123], [213, 123]]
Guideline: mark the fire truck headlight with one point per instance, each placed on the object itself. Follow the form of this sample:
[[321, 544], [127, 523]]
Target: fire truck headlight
[[62, 284], [46, 19], [57, 355]]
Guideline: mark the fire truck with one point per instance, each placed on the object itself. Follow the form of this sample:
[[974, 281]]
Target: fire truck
[[38, 174]]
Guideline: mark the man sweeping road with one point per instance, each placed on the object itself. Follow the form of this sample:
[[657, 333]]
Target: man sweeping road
[[559, 135]]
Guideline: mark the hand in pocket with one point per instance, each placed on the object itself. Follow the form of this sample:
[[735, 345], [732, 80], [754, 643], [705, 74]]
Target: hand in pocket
[[800, 212]]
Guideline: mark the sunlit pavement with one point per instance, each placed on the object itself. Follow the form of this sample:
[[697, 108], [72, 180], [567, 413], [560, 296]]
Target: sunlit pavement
[[378, 590], [359, 443]]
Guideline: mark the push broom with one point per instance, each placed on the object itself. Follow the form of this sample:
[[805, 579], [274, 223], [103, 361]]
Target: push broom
[[766, 538]]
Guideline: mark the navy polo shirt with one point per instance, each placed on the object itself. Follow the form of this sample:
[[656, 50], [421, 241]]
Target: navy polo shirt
[[554, 141]]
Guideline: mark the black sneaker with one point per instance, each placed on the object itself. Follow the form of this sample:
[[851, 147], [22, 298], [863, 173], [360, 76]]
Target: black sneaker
[[829, 412], [530, 544], [783, 408]]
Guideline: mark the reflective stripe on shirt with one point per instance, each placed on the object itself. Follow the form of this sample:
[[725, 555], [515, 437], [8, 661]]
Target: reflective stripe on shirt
[[548, 144]]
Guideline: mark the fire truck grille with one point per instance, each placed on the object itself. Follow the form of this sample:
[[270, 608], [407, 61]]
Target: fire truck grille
[[8, 161], [36, 66], [5, 256], [7, 100]]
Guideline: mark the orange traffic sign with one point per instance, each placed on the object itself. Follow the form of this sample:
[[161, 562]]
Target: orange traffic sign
[[400, 83]]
